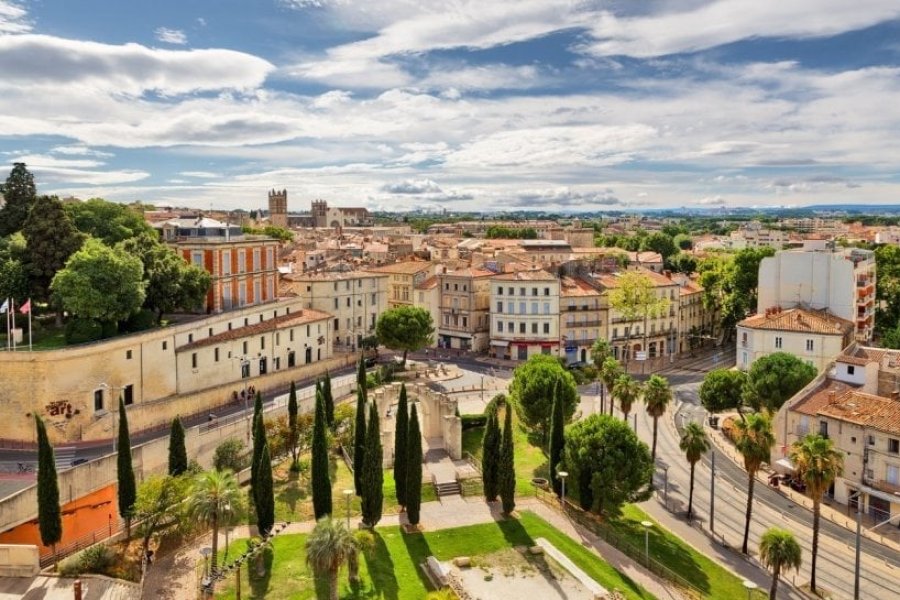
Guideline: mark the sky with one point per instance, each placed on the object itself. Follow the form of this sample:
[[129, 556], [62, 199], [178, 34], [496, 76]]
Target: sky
[[470, 105]]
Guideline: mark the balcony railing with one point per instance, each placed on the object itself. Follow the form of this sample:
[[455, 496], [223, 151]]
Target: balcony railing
[[577, 324], [885, 486]]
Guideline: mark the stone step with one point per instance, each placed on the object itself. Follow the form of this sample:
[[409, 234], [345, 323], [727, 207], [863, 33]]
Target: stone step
[[448, 488]]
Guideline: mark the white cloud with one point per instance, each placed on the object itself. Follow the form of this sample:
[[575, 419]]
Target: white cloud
[[171, 36], [77, 150], [13, 18], [200, 174], [42, 160], [412, 186], [45, 62], [484, 77], [78, 176], [711, 201]]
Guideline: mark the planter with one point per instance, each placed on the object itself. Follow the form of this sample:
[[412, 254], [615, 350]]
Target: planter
[[540, 482]]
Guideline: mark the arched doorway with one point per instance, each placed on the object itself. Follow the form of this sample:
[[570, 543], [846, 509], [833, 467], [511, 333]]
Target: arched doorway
[[584, 355]]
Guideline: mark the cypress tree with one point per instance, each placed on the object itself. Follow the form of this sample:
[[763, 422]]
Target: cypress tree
[[321, 481], [178, 460], [507, 468], [490, 457], [258, 442], [329, 400], [265, 494], [361, 380], [400, 446], [293, 427], [49, 516], [125, 471], [373, 472], [359, 439], [557, 440], [413, 469]]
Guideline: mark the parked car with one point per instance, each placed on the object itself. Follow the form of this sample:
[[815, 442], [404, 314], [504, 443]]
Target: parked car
[[576, 365], [370, 361]]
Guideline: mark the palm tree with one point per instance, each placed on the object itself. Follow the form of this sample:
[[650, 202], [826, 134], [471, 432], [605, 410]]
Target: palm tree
[[364, 541], [754, 440], [657, 396], [609, 372], [694, 444], [818, 464], [328, 547], [212, 495], [779, 551], [627, 390]]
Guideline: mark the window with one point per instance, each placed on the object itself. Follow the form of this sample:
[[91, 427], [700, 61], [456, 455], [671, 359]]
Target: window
[[455, 287], [335, 303], [522, 308], [778, 342], [262, 342], [521, 327], [193, 360], [871, 440], [534, 328], [337, 324], [197, 259], [226, 262], [270, 260], [546, 327], [262, 365], [242, 294], [894, 446], [823, 428], [98, 400], [128, 394], [521, 291], [245, 369], [216, 355], [128, 355], [165, 345], [534, 292], [244, 348], [465, 322], [510, 292], [500, 291], [546, 291], [546, 308], [804, 425], [257, 291], [851, 370], [242, 261], [510, 326], [256, 257], [510, 306], [534, 308], [809, 345], [500, 326], [893, 474]]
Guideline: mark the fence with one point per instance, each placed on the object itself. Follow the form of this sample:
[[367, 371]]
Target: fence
[[101, 534]]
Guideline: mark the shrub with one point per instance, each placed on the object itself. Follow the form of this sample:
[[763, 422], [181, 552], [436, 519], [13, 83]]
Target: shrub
[[109, 328], [590, 372], [140, 321], [96, 559], [230, 455], [473, 421], [82, 331]]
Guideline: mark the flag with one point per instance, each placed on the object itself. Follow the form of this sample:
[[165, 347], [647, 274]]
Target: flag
[[5, 306], [25, 308]]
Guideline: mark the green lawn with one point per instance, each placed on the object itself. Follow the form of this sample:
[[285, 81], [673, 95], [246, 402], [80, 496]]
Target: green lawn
[[390, 571]]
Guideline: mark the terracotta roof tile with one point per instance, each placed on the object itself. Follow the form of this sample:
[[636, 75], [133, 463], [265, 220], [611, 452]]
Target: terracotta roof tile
[[307, 315], [402, 268], [799, 320], [864, 409]]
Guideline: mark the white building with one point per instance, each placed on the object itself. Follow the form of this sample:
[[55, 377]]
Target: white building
[[524, 315], [839, 281], [813, 336]]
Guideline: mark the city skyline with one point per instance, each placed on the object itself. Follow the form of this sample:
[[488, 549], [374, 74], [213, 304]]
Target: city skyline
[[574, 106]]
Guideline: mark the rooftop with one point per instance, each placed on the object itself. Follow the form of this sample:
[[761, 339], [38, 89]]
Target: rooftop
[[307, 315], [845, 403], [403, 268], [799, 320], [537, 275]]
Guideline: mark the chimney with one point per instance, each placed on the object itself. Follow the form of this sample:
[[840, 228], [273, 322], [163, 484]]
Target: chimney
[[831, 396], [895, 394]]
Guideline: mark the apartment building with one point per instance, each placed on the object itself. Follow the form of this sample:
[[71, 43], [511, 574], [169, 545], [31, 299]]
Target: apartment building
[[427, 296], [812, 336], [354, 299], [243, 267], [583, 317], [696, 324], [465, 320], [524, 314], [403, 277], [841, 281]]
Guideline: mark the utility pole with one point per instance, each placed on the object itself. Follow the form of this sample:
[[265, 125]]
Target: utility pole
[[712, 495]]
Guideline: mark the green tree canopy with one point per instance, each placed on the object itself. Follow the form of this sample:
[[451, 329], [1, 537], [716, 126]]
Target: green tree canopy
[[159, 505], [774, 378], [722, 389], [683, 241], [406, 328], [532, 389], [178, 460], [110, 222], [506, 469], [779, 551], [661, 243], [102, 283], [609, 464], [51, 239], [401, 446], [19, 195], [13, 272], [321, 479]]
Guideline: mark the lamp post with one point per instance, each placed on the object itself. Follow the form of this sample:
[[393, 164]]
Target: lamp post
[[750, 586], [712, 495], [562, 499], [206, 551], [245, 364], [347, 495], [226, 512], [113, 414], [647, 525]]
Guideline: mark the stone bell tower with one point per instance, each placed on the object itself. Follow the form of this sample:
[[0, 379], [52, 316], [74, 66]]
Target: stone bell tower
[[278, 208]]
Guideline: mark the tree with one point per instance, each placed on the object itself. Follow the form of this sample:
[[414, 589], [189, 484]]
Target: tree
[[775, 378], [490, 457], [600, 351], [293, 427], [406, 328], [359, 439], [178, 460], [634, 297], [229, 455], [170, 283], [361, 378], [723, 389], [628, 391], [779, 551], [19, 195], [730, 284], [506, 467], [328, 397], [212, 495], [610, 370], [657, 397], [159, 505], [13, 273], [109, 222], [373, 472], [328, 547], [265, 494], [754, 440], [608, 463], [557, 441], [49, 515], [661, 243], [414, 468], [532, 390], [101, 283], [321, 481], [817, 464], [258, 435], [694, 444], [401, 446], [125, 471], [683, 241], [51, 239], [683, 263]]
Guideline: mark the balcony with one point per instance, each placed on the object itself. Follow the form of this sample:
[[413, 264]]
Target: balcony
[[884, 486], [579, 324]]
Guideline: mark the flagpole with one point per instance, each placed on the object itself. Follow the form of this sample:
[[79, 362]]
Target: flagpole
[[7, 324], [12, 309], [29, 324]]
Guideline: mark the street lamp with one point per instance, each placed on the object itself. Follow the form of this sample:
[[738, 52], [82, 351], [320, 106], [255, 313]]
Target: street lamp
[[206, 551], [245, 365], [647, 526], [226, 510], [750, 587], [113, 414], [347, 495], [562, 475]]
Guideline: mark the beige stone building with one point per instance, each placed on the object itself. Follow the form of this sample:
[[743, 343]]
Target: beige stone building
[[583, 315], [465, 321], [403, 279], [524, 314], [427, 296], [183, 369], [355, 300], [696, 324]]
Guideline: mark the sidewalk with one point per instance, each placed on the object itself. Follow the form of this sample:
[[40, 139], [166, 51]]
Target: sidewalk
[[174, 576]]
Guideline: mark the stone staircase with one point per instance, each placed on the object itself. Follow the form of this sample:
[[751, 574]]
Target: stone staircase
[[64, 455], [447, 488]]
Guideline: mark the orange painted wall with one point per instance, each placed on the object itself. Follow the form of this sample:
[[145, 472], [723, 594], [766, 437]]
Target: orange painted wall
[[80, 518]]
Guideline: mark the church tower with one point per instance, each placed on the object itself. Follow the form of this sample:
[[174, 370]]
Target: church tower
[[278, 208]]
